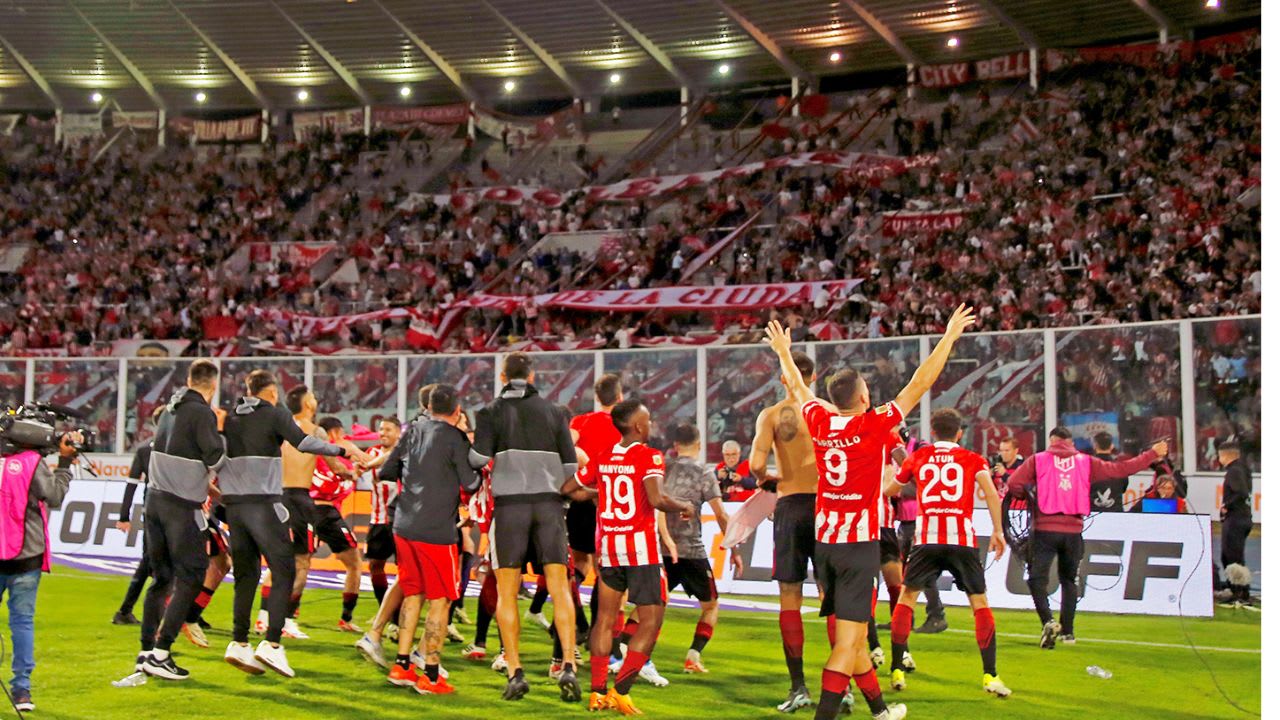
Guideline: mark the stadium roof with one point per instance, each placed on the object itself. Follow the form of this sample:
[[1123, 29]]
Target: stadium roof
[[144, 54]]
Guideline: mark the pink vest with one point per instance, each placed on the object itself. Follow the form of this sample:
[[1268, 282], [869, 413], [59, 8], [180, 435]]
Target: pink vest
[[1062, 484], [908, 508], [15, 492]]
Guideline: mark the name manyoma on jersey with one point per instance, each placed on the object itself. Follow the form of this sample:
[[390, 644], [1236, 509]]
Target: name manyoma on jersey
[[618, 469]]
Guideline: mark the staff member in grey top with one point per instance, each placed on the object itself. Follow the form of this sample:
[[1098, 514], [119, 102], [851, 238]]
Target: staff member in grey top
[[186, 452], [528, 439], [251, 488]]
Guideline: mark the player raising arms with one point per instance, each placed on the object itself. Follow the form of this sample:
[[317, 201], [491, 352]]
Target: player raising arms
[[945, 475], [851, 446], [629, 560], [781, 428]]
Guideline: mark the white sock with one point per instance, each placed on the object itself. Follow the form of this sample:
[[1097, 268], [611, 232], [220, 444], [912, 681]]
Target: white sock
[[160, 655]]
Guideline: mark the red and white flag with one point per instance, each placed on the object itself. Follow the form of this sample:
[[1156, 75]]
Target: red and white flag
[[1024, 131]]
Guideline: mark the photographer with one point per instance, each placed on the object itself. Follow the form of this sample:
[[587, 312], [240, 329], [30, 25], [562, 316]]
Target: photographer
[[31, 491]]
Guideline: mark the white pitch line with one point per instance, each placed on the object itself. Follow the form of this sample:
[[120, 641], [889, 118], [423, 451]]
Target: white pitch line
[[1142, 643]]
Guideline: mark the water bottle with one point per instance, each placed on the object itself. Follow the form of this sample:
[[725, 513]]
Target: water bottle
[[1098, 672], [132, 680]]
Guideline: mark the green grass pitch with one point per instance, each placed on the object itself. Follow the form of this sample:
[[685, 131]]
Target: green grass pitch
[[79, 653]]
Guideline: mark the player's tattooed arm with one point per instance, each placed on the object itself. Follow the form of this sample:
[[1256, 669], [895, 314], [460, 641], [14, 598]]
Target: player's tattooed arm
[[761, 444]]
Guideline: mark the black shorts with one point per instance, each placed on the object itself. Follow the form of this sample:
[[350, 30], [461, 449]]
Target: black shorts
[[793, 538], [644, 584], [847, 575], [927, 562], [531, 531], [581, 520], [380, 543], [332, 530], [889, 550], [302, 520], [215, 538], [694, 575]]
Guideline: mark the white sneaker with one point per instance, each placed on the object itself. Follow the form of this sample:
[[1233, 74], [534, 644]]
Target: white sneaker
[[650, 673], [195, 635], [241, 656], [273, 656], [538, 618], [460, 617], [908, 662], [877, 657], [260, 625], [371, 651], [615, 664], [499, 663], [392, 632], [896, 711], [453, 635], [291, 630]]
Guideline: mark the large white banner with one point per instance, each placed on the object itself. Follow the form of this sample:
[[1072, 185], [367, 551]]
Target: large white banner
[[86, 522], [1133, 563]]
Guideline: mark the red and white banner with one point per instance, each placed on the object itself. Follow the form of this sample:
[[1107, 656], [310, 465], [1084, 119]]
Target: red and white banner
[[858, 164], [896, 222], [705, 298], [144, 120], [522, 131], [238, 129], [1023, 130], [298, 254], [454, 114], [1004, 67], [338, 122]]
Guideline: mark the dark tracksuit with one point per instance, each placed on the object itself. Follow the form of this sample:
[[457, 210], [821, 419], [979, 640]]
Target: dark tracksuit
[[186, 452], [432, 464], [1237, 518], [252, 491], [137, 476]]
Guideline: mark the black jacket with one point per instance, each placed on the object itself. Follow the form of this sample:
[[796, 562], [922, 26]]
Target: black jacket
[[433, 466], [137, 476], [528, 438], [187, 448], [1237, 492], [254, 431]]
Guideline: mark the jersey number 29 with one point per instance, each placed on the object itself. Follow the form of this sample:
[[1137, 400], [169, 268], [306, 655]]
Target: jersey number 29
[[949, 475]]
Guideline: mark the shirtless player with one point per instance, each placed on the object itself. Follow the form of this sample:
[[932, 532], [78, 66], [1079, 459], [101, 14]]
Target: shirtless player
[[781, 429]]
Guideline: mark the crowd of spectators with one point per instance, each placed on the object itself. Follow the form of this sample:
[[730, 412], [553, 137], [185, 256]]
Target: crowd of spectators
[[1134, 200]]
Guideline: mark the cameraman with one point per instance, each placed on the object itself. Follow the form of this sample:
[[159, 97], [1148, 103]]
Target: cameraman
[[24, 551]]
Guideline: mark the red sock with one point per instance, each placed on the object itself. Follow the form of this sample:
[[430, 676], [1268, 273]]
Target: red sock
[[984, 627], [701, 636], [619, 623], [630, 670], [901, 627], [894, 592], [599, 673], [831, 630], [266, 592], [202, 600], [629, 631], [868, 683], [792, 633], [834, 681]]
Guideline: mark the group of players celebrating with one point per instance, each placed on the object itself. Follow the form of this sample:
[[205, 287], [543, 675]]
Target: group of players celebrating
[[569, 496]]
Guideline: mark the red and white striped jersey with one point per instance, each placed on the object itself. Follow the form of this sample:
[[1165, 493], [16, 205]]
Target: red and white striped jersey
[[946, 477], [383, 492], [480, 504], [626, 527], [851, 451], [326, 486]]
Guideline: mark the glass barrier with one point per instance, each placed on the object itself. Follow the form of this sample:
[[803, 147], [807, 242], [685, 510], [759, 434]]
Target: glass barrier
[[89, 386], [1228, 386], [1123, 381], [13, 383], [289, 373], [149, 384], [667, 381], [740, 383], [472, 375], [357, 390], [997, 383], [885, 365], [567, 379]]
